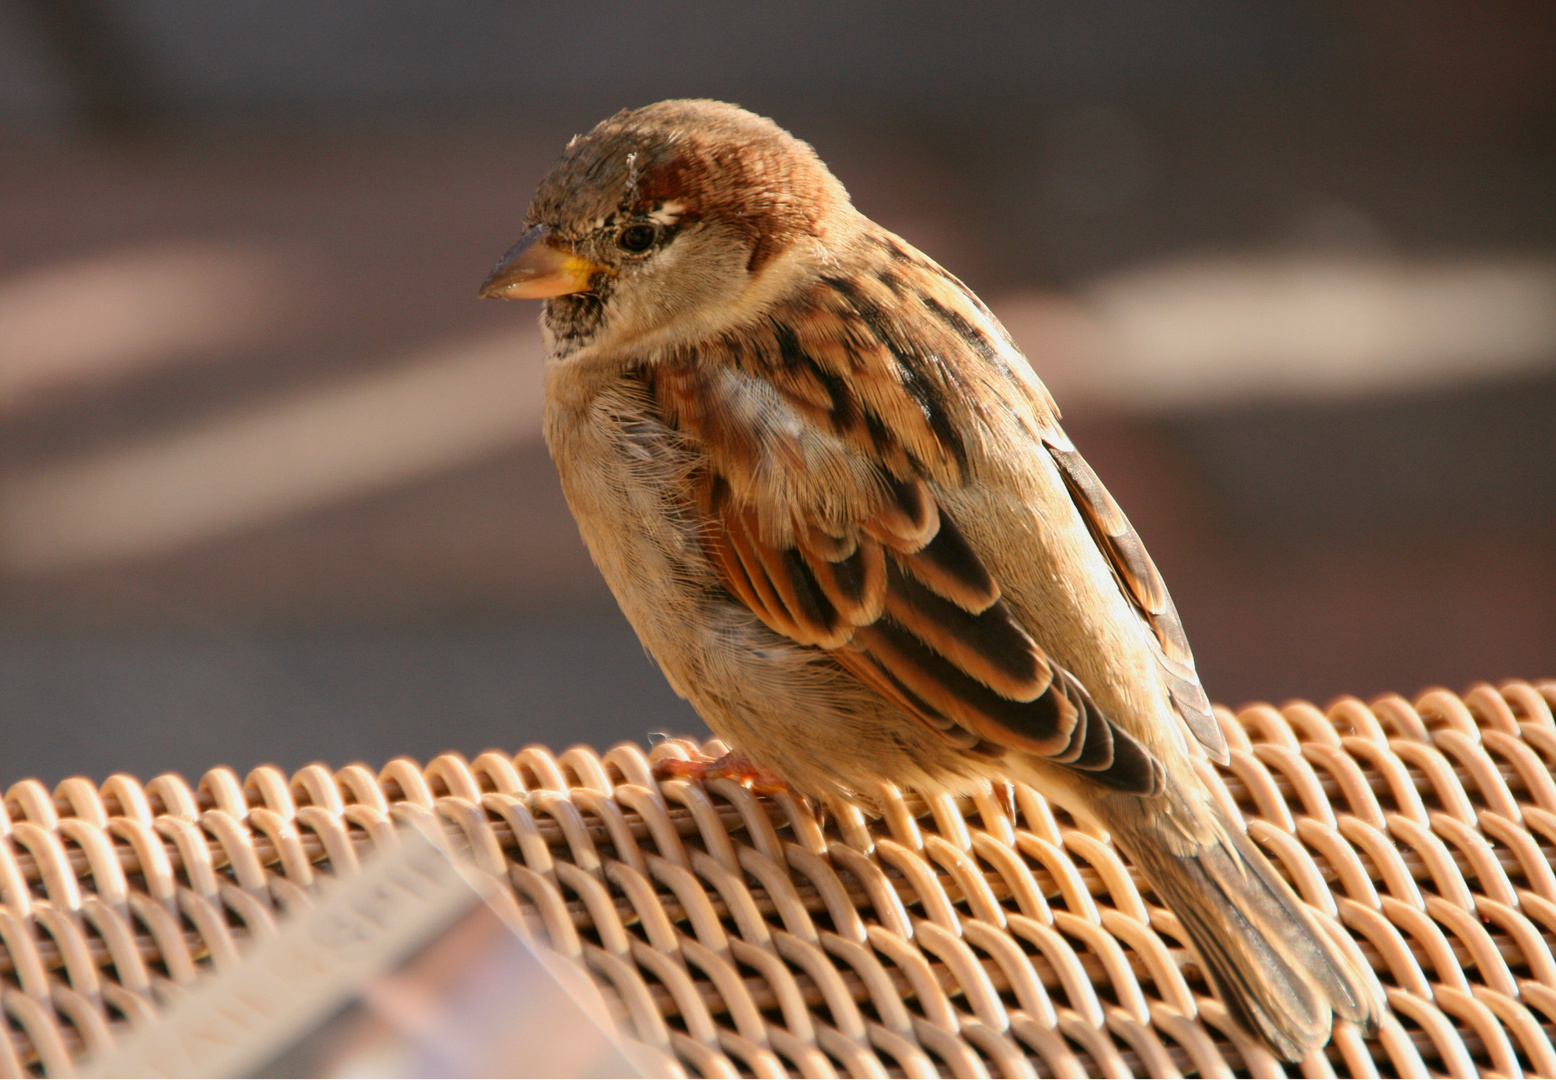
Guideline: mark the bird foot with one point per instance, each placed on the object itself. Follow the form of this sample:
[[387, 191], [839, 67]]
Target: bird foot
[[732, 766]]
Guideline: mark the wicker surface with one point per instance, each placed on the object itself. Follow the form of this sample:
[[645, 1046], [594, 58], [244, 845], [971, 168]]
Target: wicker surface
[[739, 936]]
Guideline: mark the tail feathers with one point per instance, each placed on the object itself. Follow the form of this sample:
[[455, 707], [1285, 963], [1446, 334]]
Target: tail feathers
[[1271, 964]]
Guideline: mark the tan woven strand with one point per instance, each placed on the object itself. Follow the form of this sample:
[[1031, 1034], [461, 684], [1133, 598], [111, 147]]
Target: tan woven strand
[[742, 935]]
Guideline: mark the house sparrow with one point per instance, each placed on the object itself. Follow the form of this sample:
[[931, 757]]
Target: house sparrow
[[838, 508]]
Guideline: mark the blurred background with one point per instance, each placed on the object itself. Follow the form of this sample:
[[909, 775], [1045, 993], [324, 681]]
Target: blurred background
[[272, 486]]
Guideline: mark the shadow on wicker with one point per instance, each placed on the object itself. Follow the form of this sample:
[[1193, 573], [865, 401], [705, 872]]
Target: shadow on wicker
[[738, 935]]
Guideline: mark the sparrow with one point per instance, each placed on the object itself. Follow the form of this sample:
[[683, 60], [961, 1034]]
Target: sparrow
[[838, 507]]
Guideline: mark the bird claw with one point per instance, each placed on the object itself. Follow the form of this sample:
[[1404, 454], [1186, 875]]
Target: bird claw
[[732, 766]]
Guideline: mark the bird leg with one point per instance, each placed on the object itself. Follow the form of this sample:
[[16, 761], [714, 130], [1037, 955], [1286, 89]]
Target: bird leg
[[732, 766]]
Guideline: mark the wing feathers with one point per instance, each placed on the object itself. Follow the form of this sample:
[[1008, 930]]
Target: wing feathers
[[820, 431], [1042, 727], [950, 567], [1091, 745], [762, 598], [855, 585], [809, 602], [824, 546], [1113, 532], [890, 687], [1111, 755], [1142, 584], [907, 521], [925, 628], [989, 646]]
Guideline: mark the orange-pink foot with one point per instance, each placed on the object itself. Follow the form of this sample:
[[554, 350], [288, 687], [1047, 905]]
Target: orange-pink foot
[[732, 766]]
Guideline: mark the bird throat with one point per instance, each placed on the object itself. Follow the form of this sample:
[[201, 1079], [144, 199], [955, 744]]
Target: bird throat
[[575, 321]]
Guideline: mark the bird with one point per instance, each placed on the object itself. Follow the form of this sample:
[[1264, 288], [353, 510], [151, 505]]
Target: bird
[[838, 507]]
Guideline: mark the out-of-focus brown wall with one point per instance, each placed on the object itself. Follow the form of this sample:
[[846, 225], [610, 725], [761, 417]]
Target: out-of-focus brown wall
[[271, 481]]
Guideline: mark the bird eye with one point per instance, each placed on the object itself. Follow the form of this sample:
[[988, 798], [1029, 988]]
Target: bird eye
[[637, 237]]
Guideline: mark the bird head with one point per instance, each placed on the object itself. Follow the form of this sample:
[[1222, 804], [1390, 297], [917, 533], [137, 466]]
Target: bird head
[[667, 221]]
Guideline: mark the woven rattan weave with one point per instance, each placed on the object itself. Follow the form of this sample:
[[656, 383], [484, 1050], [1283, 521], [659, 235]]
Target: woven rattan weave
[[740, 935]]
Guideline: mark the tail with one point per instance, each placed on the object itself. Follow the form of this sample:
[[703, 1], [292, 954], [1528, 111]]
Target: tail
[[1279, 975]]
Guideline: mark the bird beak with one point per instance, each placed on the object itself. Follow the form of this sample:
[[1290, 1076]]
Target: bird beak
[[536, 267]]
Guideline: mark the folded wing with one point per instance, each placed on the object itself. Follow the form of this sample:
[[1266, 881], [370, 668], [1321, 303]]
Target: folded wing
[[904, 604], [823, 434], [1144, 588]]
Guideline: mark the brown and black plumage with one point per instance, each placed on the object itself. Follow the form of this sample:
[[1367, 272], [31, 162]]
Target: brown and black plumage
[[840, 511]]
